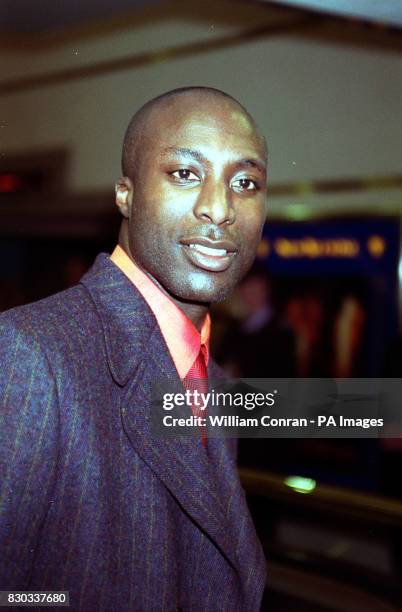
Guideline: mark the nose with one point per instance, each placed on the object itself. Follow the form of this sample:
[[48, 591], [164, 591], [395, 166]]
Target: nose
[[214, 203]]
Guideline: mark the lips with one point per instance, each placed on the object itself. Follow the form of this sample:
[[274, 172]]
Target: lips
[[210, 255]]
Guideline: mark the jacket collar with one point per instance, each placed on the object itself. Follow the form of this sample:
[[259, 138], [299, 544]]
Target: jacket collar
[[126, 318]]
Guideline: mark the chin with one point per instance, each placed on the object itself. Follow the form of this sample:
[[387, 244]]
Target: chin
[[205, 289]]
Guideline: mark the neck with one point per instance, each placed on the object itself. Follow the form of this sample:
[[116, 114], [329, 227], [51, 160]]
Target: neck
[[195, 311]]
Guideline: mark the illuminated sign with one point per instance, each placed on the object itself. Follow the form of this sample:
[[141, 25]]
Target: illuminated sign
[[310, 247], [376, 246], [316, 247]]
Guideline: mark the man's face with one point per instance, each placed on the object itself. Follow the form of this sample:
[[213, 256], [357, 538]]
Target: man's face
[[198, 198]]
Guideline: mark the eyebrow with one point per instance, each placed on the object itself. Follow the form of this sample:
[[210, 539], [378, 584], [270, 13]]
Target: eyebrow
[[194, 154], [253, 163], [190, 153]]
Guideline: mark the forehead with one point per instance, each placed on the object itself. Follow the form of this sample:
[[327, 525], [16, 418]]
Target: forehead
[[203, 124]]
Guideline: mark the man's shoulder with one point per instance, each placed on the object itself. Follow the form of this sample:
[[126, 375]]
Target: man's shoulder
[[66, 313], [48, 312], [104, 315], [67, 309]]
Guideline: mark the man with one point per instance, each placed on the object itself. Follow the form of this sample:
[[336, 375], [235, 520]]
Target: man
[[91, 500]]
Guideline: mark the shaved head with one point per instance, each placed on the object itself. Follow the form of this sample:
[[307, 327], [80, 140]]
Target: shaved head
[[141, 122]]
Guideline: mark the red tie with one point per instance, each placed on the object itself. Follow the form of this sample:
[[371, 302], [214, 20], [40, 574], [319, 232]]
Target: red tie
[[197, 379]]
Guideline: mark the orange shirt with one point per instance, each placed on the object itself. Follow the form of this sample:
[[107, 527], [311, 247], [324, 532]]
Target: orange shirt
[[180, 334]]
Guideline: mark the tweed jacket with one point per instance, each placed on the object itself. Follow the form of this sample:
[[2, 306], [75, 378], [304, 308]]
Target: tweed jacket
[[91, 500]]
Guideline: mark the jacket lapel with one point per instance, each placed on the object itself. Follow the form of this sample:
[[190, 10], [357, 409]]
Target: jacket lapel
[[137, 357], [181, 463]]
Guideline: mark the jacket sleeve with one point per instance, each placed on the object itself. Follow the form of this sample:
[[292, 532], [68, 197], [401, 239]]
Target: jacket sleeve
[[28, 450]]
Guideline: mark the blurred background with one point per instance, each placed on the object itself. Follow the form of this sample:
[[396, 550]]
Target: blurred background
[[323, 81]]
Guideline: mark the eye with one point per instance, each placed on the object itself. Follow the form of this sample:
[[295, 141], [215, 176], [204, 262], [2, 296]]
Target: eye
[[245, 184], [183, 175]]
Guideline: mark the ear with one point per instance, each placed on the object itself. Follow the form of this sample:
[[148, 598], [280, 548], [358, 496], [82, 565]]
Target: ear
[[124, 195]]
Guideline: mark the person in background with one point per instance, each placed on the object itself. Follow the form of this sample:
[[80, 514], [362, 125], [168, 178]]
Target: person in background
[[262, 345]]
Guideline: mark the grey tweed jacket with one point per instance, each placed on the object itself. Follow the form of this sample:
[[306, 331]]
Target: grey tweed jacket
[[91, 501]]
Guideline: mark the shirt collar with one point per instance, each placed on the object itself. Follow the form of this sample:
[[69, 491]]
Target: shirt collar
[[180, 334]]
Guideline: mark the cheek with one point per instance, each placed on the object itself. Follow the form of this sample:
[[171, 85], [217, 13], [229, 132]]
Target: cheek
[[251, 230], [178, 205], [166, 209]]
